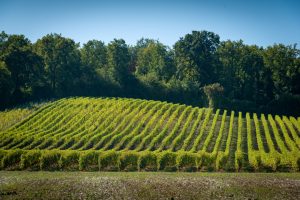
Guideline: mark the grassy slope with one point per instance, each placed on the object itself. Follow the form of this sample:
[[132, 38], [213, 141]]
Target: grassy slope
[[85, 185]]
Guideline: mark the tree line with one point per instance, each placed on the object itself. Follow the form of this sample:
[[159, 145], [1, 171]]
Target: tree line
[[199, 69]]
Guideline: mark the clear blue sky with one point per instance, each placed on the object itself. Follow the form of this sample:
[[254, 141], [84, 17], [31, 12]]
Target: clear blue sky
[[258, 22]]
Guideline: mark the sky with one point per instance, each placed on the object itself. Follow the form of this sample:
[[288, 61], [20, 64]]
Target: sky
[[259, 22]]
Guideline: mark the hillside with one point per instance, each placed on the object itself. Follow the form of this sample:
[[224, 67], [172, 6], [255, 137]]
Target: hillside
[[134, 134]]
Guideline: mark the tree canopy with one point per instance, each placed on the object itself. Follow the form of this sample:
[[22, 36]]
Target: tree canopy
[[196, 70]]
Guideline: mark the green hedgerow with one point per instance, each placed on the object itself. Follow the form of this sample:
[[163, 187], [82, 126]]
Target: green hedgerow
[[148, 161], [88, 160], [208, 161], [129, 161], [221, 160], [187, 161], [11, 161], [2, 154], [49, 160], [69, 160], [109, 161], [31, 160], [238, 160], [167, 161]]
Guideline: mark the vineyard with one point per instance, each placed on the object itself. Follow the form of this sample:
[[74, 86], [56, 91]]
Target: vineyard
[[122, 134]]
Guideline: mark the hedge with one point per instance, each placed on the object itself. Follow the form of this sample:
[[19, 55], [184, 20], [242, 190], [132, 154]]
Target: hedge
[[92, 160]]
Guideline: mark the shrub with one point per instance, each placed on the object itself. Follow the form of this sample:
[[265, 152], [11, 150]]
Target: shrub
[[298, 163], [269, 161], [2, 154], [31, 160], [208, 161], [49, 160], [167, 161], [148, 161], [69, 160], [238, 160], [254, 160], [11, 161], [109, 161], [214, 93], [221, 160], [88, 161], [129, 161], [285, 163], [187, 161]]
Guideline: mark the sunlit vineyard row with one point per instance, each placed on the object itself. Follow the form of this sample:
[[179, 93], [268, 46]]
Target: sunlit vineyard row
[[134, 134], [10, 117]]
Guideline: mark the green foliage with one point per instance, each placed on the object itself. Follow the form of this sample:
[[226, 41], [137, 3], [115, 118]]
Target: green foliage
[[253, 156], [159, 135], [181, 135], [148, 161], [69, 160], [221, 160], [283, 62], [110, 161], [242, 72], [164, 144], [129, 161], [88, 161], [192, 131], [11, 160], [214, 93], [238, 159], [31, 160], [187, 161], [118, 60], [167, 161], [93, 54], [207, 161], [211, 131], [205, 122], [109, 134], [62, 61], [93, 67], [6, 84], [2, 155], [239, 151], [269, 161], [289, 141], [215, 153], [13, 116], [254, 79], [154, 59], [49, 160], [24, 68], [194, 57]]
